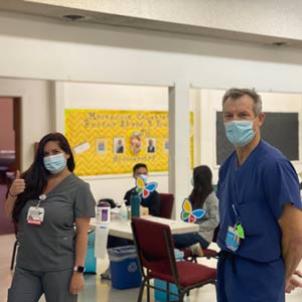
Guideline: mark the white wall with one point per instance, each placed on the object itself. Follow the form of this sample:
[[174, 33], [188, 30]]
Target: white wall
[[47, 49]]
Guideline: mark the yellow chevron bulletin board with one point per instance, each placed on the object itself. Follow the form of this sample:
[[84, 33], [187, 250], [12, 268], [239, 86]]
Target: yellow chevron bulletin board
[[111, 142]]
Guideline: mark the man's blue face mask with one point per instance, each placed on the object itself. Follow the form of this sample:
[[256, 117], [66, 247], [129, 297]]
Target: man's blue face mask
[[239, 133]]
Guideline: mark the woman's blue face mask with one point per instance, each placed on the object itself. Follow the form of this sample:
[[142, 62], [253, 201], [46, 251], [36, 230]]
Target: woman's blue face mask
[[55, 163], [239, 133]]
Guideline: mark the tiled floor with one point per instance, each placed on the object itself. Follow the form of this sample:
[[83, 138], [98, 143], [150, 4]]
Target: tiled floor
[[95, 290]]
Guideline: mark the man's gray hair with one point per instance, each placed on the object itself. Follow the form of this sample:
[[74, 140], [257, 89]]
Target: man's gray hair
[[236, 93]]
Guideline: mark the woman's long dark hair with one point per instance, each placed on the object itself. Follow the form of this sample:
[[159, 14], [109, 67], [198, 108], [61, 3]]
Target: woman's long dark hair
[[202, 186], [36, 176]]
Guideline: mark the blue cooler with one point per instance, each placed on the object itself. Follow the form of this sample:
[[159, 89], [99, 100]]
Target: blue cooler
[[124, 267], [160, 296], [90, 260]]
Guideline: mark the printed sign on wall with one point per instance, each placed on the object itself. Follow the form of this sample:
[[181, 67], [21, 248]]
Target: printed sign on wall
[[111, 142]]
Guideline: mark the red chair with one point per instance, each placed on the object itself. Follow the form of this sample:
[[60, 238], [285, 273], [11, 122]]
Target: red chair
[[166, 205], [155, 251]]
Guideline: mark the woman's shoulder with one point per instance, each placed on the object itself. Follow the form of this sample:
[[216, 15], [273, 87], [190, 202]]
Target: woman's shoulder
[[78, 182], [212, 197]]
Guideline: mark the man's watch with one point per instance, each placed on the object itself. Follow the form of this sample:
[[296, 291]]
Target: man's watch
[[79, 269]]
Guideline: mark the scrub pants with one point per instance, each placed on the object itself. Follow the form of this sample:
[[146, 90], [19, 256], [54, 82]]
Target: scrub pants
[[245, 280], [28, 286]]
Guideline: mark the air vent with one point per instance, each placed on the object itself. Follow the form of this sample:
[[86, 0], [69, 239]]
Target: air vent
[[74, 18], [279, 43]]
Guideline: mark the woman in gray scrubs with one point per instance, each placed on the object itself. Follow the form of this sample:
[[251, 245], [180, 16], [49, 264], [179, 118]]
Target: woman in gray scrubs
[[51, 208]]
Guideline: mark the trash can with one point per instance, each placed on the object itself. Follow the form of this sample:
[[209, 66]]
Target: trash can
[[90, 260], [124, 267]]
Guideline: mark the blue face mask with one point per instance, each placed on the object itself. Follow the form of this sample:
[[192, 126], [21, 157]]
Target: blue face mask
[[239, 133], [144, 177], [55, 163]]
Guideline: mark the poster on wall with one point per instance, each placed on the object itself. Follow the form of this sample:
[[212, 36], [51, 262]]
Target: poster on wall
[[111, 142]]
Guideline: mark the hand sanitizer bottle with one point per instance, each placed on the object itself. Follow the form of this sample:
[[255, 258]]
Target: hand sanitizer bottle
[[123, 212]]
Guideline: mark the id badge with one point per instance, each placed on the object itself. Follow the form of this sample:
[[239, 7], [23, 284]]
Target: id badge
[[232, 240], [35, 215]]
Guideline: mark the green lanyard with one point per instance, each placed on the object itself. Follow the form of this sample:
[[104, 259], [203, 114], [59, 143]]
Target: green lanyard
[[238, 226]]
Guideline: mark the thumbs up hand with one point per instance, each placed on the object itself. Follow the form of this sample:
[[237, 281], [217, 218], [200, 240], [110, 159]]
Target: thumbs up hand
[[18, 185]]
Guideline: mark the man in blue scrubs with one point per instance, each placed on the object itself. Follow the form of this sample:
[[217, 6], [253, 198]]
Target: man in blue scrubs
[[260, 210]]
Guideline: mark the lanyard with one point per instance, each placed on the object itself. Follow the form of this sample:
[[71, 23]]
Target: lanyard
[[235, 212], [238, 226], [42, 197]]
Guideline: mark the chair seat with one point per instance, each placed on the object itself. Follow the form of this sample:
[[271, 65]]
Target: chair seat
[[189, 273]]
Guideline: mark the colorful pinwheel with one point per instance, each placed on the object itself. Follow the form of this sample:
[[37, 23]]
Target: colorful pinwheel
[[189, 215], [144, 188]]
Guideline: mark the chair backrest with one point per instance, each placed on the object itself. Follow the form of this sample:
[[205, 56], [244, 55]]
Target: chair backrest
[[154, 245], [166, 205]]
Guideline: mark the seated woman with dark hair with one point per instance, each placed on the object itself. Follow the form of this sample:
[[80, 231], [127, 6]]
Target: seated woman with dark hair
[[201, 197]]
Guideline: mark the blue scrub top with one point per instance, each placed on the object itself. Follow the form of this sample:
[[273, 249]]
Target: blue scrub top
[[258, 189]]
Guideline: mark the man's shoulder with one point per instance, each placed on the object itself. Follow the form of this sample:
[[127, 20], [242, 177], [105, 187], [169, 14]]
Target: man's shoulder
[[266, 149], [130, 191], [270, 155], [272, 159], [155, 193]]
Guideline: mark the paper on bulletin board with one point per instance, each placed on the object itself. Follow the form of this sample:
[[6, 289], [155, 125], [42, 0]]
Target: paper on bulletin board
[[111, 142]]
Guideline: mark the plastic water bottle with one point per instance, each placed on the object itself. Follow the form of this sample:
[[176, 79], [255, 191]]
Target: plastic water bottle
[[123, 212], [135, 201]]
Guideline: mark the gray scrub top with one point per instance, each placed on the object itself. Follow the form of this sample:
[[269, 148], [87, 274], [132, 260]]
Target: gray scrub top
[[51, 246]]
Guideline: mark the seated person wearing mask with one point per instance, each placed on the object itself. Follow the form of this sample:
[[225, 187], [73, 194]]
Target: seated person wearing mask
[[152, 202]]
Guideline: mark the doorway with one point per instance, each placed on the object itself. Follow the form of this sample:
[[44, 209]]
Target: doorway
[[10, 151]]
